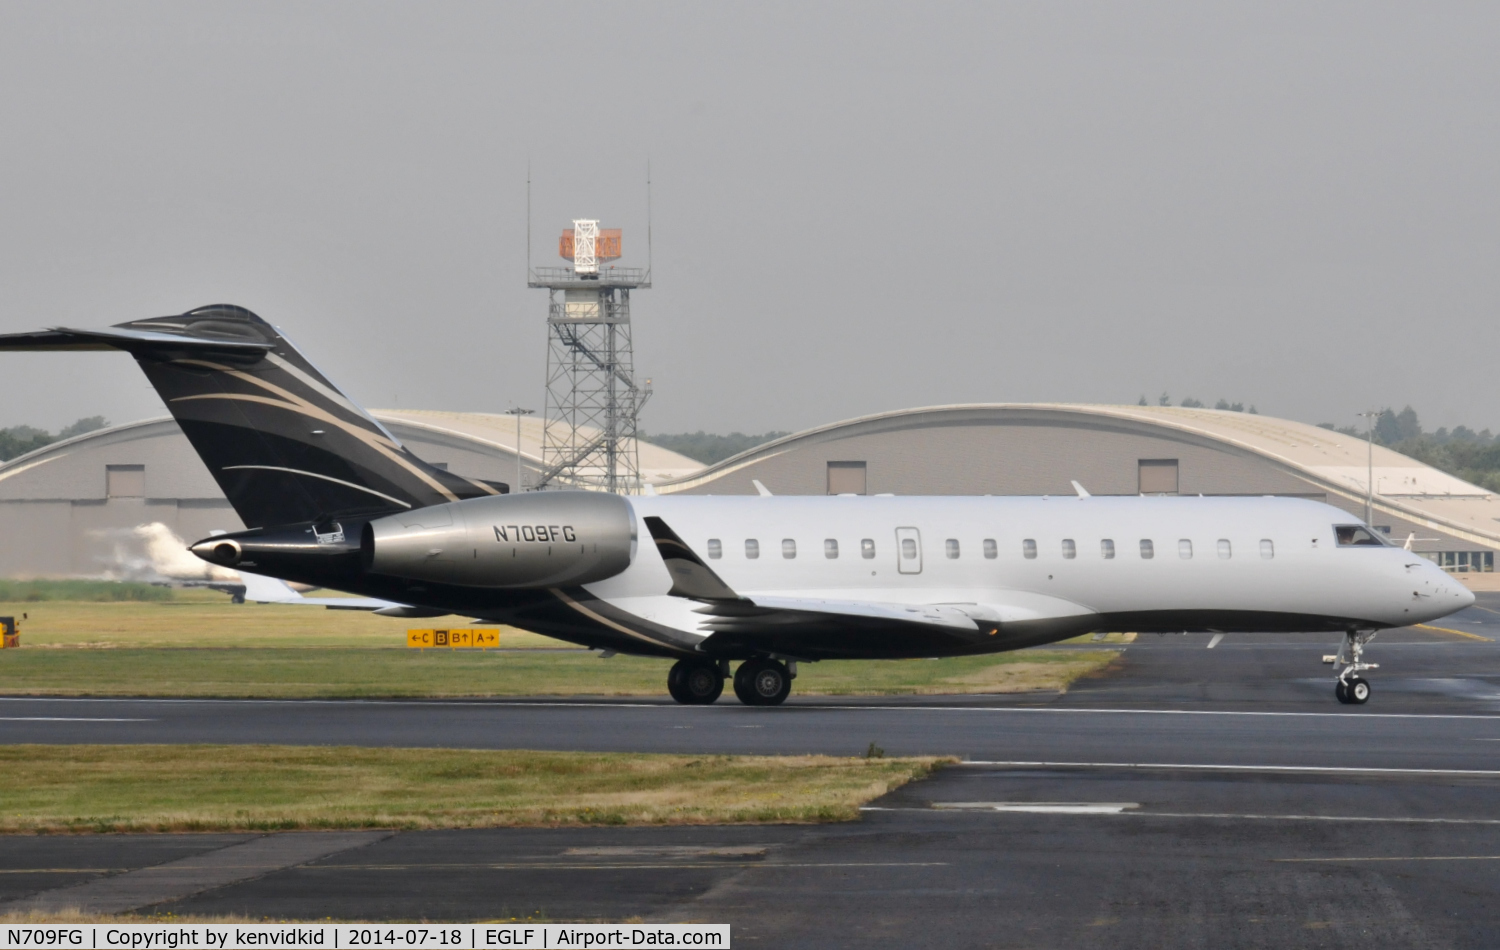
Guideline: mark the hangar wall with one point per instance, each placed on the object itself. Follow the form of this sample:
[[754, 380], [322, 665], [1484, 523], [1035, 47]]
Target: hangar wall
[[1041, 449], [973, 453], [70, 509]]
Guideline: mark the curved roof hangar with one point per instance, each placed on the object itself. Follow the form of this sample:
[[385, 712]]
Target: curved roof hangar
[[1040, 448]]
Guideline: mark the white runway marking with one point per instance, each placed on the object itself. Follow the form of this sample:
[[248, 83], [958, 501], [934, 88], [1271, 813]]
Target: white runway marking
[[1460, 857], [1130, 813], [1042, 808], [1165, 766], [734, 709], [67, 719]]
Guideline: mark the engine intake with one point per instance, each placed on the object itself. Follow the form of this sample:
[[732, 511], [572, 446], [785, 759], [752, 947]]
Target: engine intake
[[545, 539]]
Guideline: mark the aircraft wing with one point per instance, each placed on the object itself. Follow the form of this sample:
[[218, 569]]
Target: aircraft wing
[[785, 610], [815, 628]]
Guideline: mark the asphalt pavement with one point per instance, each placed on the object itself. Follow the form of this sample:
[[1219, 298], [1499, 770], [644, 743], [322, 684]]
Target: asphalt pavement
[[1188, 797]]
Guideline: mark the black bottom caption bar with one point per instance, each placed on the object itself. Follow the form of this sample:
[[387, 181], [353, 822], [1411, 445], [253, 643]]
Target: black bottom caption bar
[[361, 936]]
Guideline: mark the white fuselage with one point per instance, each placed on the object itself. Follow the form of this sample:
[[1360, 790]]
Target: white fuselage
[[1009, 559]]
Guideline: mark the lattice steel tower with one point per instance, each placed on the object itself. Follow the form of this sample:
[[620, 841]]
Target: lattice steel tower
[[593, 402]]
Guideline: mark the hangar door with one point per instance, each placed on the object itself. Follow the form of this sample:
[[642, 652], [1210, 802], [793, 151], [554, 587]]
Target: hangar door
[[908, 551], [1158, 476]]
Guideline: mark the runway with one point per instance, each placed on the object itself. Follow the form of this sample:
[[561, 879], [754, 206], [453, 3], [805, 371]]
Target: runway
[[1190, 797]]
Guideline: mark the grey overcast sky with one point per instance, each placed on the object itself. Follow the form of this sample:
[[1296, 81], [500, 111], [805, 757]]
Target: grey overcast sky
[[858, 207]]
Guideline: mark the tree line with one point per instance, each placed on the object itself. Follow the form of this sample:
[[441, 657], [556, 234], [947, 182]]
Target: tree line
[[18, 440], [1472, 456]]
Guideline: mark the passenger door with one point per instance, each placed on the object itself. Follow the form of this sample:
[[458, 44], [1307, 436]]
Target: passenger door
[[908, 551]]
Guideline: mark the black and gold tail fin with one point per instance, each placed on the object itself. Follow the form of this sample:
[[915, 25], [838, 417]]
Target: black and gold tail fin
[[283, 443]]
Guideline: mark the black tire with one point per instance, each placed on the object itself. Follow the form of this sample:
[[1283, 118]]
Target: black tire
[[1341, 691], [674, 684], [1358, 691], [742, 683], [762, 683], [694, 683]]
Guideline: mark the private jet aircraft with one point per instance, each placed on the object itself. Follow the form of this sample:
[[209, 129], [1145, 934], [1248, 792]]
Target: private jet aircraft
[[332, 499]]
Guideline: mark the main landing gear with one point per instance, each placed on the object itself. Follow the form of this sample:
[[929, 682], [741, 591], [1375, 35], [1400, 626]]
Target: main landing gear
[[1351, 688], [695, 682], [757, 682], [762, 682]]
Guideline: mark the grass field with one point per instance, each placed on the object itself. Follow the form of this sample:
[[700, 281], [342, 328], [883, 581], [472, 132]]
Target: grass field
[[199, 644], [330, 673], [271, 788], [205, 618]]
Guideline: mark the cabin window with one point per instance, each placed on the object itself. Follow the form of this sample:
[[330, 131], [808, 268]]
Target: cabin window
[[1107, 549], [1353, 535], [1267, 549], [1028, 548], [990, 550], [909, 549], [867, 548], [788, 548], [831, 548], [950, 547], [1185, 549], [1226, 551], [1070, 550], [752, 548], [715, 549], [1148, 550]]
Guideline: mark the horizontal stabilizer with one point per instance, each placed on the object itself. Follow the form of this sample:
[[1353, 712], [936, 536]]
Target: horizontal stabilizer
[[260, 589], [152, 343]]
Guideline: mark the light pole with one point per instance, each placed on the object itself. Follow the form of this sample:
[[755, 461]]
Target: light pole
[[1370, 418], [518, 412]]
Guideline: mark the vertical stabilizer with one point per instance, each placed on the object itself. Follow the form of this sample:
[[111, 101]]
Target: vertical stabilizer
[[285, 445]]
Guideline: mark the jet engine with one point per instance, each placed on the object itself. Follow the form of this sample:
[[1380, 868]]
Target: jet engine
[[545, 539]]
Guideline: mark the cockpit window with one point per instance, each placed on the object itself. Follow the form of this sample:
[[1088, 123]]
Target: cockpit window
[[1353, 535]]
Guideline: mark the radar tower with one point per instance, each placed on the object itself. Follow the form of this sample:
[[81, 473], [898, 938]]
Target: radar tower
[[592, 403]]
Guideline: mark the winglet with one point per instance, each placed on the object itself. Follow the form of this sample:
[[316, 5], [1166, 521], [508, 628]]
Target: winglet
[[691, 578], [1082, 492], [760, 489]]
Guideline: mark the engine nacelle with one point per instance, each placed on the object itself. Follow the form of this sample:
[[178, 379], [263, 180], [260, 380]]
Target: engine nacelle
[[544, 539]]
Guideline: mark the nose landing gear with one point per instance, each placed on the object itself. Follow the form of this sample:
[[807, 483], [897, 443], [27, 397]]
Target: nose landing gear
[[1351, 688]]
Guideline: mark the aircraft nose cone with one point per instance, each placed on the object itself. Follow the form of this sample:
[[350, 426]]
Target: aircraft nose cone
[[218, 551], [1465, 596]]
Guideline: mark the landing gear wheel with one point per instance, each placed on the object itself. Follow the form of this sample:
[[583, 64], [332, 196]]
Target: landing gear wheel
[[1358, 691], [1351, 688], [695, 683], [762, 683]]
